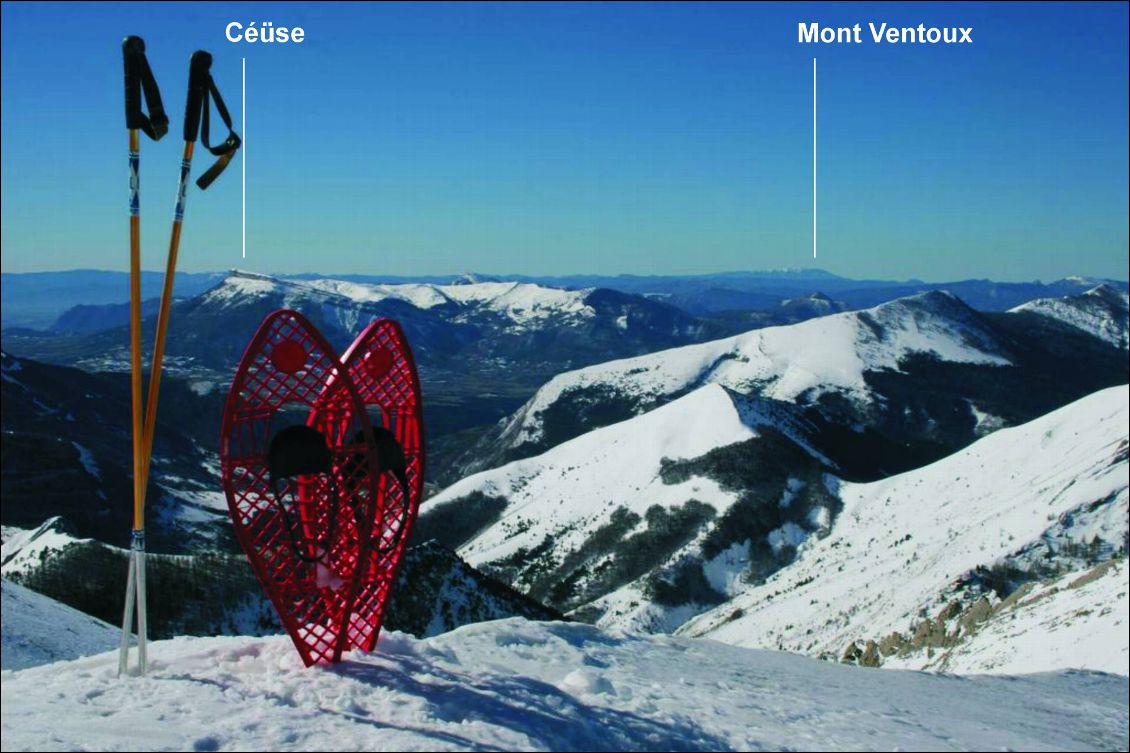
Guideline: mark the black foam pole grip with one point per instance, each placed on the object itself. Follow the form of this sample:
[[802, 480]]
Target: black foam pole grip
[[132, 47], [199, 74]]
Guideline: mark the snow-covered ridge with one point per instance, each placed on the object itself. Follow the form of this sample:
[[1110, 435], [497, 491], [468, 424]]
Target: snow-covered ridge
[[521, 302], [573, 511], [38, 630], [817, 301], [902, 545], [587, 478], [803, 360], [516, 685], [24, 549], [10, 365], [1103, 311]]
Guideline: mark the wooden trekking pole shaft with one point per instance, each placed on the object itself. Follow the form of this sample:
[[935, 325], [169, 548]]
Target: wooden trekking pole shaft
[[163, 321], [139, 85], [194, 110], [135, 383], [135, 328]]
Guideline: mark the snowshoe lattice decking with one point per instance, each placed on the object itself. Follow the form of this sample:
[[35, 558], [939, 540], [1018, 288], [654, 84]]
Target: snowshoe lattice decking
[[381, 366], [325, 545]]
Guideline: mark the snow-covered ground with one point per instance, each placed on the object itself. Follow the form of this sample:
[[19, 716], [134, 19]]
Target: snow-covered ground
[[901, 545], [38, 630], [517, 685]]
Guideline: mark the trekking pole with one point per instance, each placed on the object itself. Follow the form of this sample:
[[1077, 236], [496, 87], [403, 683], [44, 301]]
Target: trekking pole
[[196, 109], [196, 118], [138, 81]]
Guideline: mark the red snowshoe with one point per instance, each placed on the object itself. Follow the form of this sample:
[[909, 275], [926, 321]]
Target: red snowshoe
[[322, 500]]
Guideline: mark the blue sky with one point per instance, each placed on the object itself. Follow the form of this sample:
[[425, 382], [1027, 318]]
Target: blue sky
[[556, 139]]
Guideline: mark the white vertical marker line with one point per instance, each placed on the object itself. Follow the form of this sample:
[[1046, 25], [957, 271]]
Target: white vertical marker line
[[813, 158], [243, 154]]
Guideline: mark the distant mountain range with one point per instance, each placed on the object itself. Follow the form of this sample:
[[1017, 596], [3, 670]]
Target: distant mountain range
[[37, 300], [484, 346]]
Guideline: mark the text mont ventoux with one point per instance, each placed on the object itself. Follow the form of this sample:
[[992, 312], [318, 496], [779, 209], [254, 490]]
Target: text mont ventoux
[[813, 33]]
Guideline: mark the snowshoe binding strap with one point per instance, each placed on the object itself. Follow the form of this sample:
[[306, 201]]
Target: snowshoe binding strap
[[139, 82], [301, 451], [202, 88], [391, 460]]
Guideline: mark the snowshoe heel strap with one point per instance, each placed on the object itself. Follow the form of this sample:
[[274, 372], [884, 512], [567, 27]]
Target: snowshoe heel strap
[[391, 460], [302, 451]]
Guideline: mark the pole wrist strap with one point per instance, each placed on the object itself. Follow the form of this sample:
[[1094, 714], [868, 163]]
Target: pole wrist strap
[[140, 82], [201, 91]]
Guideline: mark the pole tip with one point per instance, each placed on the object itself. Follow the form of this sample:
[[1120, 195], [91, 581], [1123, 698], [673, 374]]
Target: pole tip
[[201, 60], [133, 45]]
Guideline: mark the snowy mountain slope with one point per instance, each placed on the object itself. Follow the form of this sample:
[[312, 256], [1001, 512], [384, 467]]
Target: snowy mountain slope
[[893, 387], [918, 560], [1102, 311], [25, 549], [800, 361], [436, 591], [1078, 620], [38, 630], [831, 355], [641, 501], [214, 592], [205, 593], [626, 457], [515, 685], [67, 453]]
